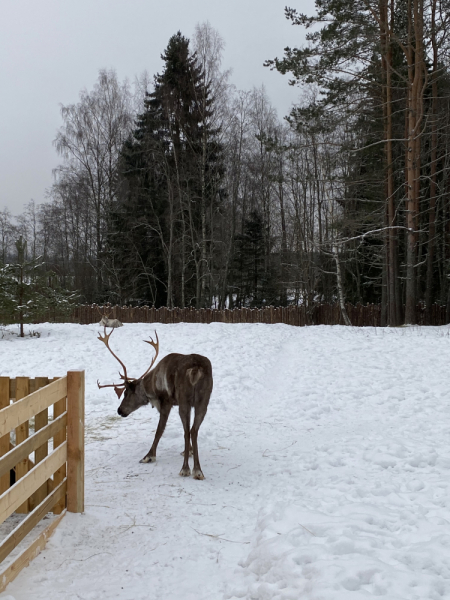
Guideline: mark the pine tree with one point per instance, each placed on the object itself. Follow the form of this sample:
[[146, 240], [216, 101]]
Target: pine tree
[[27, 290], [369, 62]]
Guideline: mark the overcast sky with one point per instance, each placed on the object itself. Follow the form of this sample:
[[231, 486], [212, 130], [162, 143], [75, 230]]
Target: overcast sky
[[51, 49]]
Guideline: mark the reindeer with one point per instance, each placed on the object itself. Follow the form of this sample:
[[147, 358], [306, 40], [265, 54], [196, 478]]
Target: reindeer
[[107, 322], [183, 380]]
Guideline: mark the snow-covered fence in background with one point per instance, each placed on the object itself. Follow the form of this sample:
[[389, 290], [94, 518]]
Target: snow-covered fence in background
[[317, 314], [52, 481], [360, 315]]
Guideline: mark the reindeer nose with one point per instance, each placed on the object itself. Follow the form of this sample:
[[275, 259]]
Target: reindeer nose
[[119, 411]]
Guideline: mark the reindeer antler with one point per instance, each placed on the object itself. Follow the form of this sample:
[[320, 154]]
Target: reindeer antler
[[156, 347], [103, 314], [120, 388], [105, 340]]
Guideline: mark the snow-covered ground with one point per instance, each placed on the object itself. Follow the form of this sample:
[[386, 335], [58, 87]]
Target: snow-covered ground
[[327, 462]]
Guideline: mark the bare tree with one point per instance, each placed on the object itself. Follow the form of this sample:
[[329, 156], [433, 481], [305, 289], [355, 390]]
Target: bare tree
[[90, 141]]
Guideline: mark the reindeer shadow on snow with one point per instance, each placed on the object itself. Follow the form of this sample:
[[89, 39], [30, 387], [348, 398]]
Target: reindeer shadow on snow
[[183, 380]]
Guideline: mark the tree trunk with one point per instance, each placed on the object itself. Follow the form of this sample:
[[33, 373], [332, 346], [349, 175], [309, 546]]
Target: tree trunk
[[393, 308], [415, 59], [283, 293], [433, 186], [340, 288]]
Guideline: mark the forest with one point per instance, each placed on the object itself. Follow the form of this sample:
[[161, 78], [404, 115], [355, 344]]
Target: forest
[[181, 190]]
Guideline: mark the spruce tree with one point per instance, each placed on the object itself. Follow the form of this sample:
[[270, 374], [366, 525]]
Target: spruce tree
[[170, 171], [253, 283], [27, 290]]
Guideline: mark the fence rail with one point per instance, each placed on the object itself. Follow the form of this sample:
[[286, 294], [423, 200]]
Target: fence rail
[[317, 314], [50, 481]]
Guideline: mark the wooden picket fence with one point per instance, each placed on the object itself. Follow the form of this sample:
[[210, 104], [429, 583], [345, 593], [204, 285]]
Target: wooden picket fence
[[318, 314], [360, 315], [53, 481]]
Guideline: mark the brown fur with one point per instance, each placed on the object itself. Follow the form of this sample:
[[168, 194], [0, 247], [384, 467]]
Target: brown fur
[[183, 380]]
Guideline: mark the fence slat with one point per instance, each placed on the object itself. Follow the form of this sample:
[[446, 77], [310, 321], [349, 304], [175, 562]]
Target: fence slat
[[4, 440], [21, 451], [40, 421], [59, 438], [31, 520], [14, 497], [22, 410], [22, 390]]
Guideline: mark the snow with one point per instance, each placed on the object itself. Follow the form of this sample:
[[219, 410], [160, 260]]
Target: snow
[[326, 457]]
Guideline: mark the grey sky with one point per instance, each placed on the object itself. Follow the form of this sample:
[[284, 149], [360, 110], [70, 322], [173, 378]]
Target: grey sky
[[51, 49]]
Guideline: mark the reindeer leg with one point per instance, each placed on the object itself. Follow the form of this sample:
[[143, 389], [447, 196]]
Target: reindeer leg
[[191, 452], [163, 416], [200, 413], [185, 415]]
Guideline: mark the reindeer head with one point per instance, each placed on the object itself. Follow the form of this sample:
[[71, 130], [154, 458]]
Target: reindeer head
[[134, 398], [135, 395]]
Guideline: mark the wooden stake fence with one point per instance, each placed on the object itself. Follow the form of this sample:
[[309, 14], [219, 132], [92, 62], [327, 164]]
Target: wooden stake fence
[[360, 315], [53, 480]]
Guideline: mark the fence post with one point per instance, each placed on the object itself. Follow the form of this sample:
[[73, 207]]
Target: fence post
[[75, 441], [4, 441]]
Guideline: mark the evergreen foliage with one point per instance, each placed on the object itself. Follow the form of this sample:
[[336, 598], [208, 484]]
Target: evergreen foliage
[[27, 290], [171, 171], [249, 277]]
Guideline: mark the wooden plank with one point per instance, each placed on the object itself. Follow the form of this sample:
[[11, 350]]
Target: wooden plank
[[31, 520], [15, 496], [24, 559], [4, 440], [22, 390], [19, 452], [59, 438], [75, 441], [19, 412], [40, 421], [12, 386]]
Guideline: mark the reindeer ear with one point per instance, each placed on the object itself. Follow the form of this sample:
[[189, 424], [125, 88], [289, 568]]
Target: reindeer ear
[[119, 391]]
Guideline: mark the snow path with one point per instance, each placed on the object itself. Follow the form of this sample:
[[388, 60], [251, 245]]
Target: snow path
[[327, 464]]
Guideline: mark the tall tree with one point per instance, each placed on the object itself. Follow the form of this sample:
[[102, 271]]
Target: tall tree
[[172, 165], [90, 142], [369, 61]]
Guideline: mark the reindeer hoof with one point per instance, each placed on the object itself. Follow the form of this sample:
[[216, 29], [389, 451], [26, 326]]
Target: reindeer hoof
[[185, 472], [198, 474], [148, 459]]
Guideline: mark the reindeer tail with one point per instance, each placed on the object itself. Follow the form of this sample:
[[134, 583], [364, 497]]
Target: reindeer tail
[[194, 375]]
